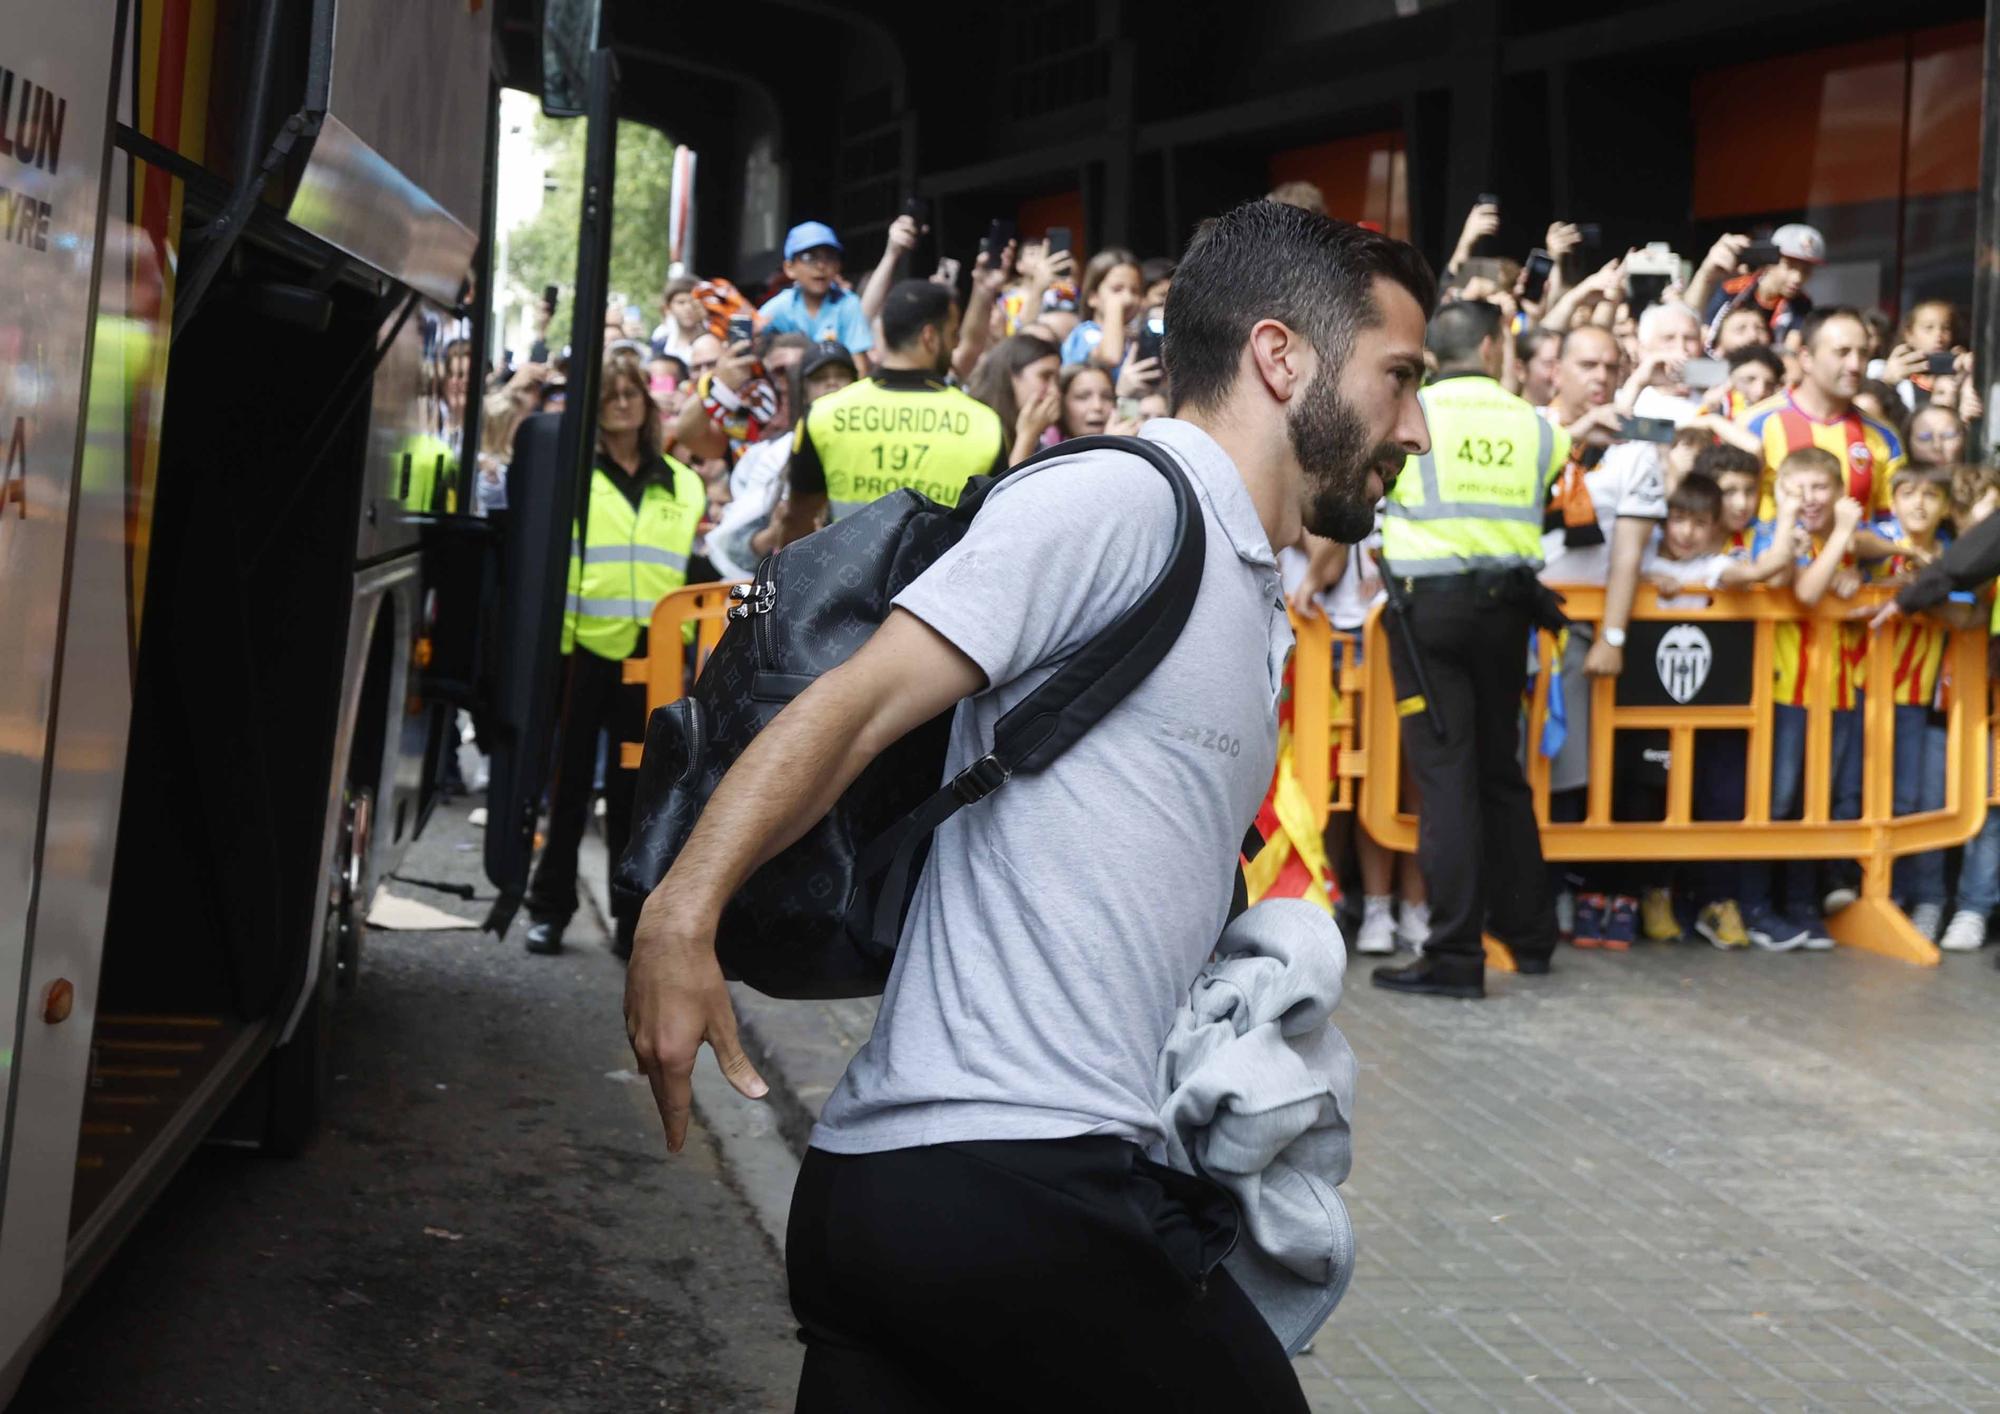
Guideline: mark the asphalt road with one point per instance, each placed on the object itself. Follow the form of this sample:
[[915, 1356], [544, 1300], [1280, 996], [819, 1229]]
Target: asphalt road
[[487, 1221]]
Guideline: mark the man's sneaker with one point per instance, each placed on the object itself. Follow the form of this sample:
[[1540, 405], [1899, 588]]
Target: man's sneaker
[[1965, 933], [1592, 920], [1837, 898], [1621, 924], [1377, 933], [1413, 929], [1722, 924], [1927, 918], [1817, 938], [1656, 917], [1772, 931]]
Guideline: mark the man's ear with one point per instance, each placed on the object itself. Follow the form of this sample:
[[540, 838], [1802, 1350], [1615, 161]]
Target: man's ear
[[1279, 355]]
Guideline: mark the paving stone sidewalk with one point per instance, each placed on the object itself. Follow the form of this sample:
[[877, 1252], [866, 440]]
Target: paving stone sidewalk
[[1670, 1180]]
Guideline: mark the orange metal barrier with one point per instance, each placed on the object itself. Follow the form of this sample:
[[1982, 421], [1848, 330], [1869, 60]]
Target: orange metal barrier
[[1369, 747], [666, 674]]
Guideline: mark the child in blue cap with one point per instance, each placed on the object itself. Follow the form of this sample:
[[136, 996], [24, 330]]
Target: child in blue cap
[[818, 305]]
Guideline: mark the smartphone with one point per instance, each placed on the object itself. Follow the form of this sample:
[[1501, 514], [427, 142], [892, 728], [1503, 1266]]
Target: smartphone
[[742, 327], [918, 210], [1486, 198], [1642, 291], [1759, 254], [1059, 240], [550, 294], [1535, 275], [1152, 334], [1941, 363], [1590, 235], [1647, 429], [998, 234], [1704, 372]]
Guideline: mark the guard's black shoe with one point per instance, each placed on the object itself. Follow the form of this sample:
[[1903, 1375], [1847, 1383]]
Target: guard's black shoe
[[544, 936], [1434, 976], [1531, 966], [621, 938]]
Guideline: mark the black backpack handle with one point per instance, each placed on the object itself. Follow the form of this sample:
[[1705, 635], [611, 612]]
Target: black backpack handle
[[1048, 721]]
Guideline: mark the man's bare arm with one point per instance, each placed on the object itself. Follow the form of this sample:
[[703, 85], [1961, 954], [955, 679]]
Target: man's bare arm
[[787, 779]]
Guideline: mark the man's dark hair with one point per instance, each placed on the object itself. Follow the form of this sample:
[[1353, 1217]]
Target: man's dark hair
[[1266, 260], [1721, 459], [1697, 496], [912, 305], [1821, 316], [1762, 355], [1458, 329]]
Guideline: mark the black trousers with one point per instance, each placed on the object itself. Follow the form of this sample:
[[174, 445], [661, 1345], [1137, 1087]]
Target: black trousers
[[594, 699], [1477, 841], [1050, 1274]]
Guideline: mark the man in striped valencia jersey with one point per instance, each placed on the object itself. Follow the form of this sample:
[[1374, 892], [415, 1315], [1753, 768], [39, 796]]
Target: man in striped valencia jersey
[[1820, 412]]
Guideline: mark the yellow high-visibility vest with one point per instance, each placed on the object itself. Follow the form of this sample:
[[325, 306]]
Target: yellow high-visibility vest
[[629, 559], [895, 431], [1474, 501]]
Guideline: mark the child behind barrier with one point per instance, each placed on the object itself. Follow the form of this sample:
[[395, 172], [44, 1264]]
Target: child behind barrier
[[1809, 495], [1921, 497]]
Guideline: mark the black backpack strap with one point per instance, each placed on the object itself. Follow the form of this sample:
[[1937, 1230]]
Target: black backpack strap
[[1049, 720]]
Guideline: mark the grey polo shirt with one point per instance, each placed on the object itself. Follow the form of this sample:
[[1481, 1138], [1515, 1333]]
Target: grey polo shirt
[[1060, 922]]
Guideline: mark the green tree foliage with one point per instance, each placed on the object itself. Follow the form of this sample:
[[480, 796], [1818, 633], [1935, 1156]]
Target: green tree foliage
[[542, 250]]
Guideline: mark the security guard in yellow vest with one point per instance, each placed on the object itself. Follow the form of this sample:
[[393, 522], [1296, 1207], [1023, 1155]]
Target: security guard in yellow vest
[[630, 550], [902, 427], [1461, 542]]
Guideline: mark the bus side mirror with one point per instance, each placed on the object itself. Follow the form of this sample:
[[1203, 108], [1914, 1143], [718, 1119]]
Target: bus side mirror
[[569, 33]]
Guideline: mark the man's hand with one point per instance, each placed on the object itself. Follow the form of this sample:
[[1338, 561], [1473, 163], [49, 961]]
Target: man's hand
[[1562, 238], [1480, 222], [990, 279], [1603, 661], [1846, 513], [904, 233], [1726, 254], [675, 999], [738, 367], [1137, 378], [1600, 424]]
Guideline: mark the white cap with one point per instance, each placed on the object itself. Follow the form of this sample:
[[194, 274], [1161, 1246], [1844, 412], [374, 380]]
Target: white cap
[[1798, 241]]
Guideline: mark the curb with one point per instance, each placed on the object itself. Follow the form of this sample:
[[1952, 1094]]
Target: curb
[[761, 1141]]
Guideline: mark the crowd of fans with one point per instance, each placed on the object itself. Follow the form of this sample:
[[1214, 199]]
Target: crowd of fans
[[1726, 432]]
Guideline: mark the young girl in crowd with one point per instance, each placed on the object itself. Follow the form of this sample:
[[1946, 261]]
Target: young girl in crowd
[[1113, 288], [1937, 437], [1975, 495], [1087, 403]]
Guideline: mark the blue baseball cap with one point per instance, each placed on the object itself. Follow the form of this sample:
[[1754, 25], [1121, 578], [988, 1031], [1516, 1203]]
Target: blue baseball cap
[[810, 235]]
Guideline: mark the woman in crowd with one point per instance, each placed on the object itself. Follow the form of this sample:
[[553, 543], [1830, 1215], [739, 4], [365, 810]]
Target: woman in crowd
[[1017, 379], [631, 544]]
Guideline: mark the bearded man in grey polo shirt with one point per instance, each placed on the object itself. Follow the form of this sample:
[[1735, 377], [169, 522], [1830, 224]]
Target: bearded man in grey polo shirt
[[980, 1221]]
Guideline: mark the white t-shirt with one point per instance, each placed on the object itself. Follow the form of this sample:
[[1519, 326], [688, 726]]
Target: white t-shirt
[[1342, 601], [1655, 402], [1630, 481]]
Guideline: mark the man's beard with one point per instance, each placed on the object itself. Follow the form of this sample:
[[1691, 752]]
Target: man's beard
[[1333, 449]]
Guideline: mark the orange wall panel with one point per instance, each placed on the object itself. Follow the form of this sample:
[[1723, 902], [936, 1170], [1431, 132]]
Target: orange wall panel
[[1038, 213], [1945, 77], [1361, 177]]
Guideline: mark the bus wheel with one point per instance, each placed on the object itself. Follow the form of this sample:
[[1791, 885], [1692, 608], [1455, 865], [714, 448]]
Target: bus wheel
[[300, 1072]]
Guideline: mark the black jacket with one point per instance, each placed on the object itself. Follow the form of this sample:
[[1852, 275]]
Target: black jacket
[[1971, 559]]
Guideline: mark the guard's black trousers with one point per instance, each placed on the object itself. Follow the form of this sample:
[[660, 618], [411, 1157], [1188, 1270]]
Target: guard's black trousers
[[1477, 841], [594, 699], [1048, 1274]]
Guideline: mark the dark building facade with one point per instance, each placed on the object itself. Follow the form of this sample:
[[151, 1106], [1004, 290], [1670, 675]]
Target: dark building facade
[[1673, 120]]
